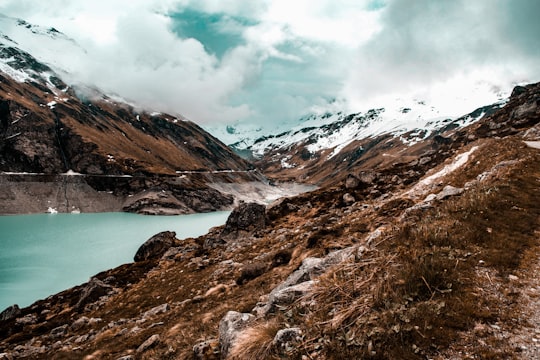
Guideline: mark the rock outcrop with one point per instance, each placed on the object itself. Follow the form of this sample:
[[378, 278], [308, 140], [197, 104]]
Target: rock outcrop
[[10, 313], [245, 218], [156, 246]]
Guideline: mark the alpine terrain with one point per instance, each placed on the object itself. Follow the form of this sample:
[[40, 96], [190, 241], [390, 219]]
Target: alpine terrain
[[421, 239], [68, 149]]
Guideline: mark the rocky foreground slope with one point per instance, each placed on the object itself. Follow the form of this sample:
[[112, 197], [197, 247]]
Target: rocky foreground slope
[[73, 150], [410, 259]]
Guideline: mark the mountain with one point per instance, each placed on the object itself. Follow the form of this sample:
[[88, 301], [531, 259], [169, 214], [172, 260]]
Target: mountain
[[414, 258], [333, 144], [54, 137]]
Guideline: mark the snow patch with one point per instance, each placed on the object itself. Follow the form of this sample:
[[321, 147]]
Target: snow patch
[[71, 173], [425, 184], [51, 210], [533, 144]]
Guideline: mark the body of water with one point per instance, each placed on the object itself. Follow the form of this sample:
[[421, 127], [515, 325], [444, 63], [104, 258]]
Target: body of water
[[43, 254]]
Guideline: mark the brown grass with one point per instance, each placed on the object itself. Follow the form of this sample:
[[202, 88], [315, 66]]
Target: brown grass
[[255, 343], [420, 289]]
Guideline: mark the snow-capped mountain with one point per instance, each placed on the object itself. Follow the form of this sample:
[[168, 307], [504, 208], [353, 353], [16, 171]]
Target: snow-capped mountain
[[322, 145], [45, 44], [334, 132]]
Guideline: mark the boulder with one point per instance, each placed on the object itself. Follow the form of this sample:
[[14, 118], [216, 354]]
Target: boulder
[[156, 246], [79, 323], [448, 191], [229, 328], [29, 319], [518, 90], [59, 331], [92, 291], [10, 312], [248, 217], [351, 182], [362, 180]]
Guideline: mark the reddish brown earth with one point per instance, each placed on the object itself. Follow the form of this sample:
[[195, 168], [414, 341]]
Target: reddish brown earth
[[436, 260]]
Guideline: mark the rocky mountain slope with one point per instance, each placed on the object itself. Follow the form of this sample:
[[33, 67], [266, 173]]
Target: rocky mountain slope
[[325, 146], [75, 152], [408, 258]]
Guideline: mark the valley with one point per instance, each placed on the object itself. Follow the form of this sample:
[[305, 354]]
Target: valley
[[394, 233]]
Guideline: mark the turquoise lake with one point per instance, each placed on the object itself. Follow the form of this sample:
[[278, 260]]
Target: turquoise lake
[[43, 254]]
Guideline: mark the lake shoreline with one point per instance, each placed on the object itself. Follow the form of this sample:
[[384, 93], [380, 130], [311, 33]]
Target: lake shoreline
[[59, 251]]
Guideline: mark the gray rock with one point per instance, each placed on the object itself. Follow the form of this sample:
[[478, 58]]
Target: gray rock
[[526, 109], [127, 357], [310, 269], [367, 178], [59, 331], [207, 350], [150, 342], [28, 351], [92, 291], [286, 338], [518, 90], [163, 308], [448, 191], [29, 319], [362, 180], [10, 312], [287, 295], [156, 246], [351, 182], [229, 328], [247, 217], [348, 199], [79, 323]]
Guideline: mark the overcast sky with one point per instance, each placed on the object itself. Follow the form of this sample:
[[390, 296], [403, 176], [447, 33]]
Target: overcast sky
[[268, 61]]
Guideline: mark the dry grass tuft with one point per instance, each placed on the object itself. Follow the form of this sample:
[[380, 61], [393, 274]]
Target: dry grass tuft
[[414, 294], [256, 342]]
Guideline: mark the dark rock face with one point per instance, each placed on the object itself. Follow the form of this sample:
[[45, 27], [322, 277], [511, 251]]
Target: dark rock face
[[247, 217], [177, 201], [92, 291], [518, 90], [156, 246], [10, 313]]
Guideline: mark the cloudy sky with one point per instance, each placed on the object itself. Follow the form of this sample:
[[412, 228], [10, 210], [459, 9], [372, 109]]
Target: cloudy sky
[[269, 61]]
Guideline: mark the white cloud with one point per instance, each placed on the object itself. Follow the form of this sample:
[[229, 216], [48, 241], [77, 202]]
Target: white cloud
[[291, 55], [343, 22]]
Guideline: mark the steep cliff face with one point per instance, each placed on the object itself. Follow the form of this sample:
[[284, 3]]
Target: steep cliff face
[[427, 259]]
